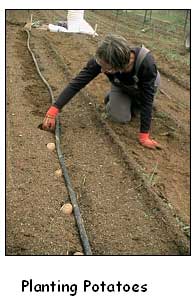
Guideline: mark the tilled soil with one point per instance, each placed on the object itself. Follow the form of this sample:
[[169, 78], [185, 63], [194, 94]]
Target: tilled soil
[[133, 201]]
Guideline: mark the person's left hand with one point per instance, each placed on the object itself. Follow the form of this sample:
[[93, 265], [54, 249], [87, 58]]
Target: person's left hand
[[144, 139]]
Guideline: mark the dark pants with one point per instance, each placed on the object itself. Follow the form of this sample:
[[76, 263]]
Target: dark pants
[[119, 106]]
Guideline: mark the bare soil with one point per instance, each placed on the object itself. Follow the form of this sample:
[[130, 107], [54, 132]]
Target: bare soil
[[133, 201]]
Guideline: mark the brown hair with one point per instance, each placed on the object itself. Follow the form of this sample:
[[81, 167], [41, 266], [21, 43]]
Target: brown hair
[[115, 51]]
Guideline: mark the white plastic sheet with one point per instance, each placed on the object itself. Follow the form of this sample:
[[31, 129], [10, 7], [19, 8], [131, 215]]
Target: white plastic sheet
[[75, 24]]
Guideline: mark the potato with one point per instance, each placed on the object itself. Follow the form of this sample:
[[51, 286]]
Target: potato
[[58, 172], [51, 146], [67, 208]]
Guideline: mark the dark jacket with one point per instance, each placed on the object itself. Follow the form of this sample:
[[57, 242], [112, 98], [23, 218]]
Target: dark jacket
[[146, 75]]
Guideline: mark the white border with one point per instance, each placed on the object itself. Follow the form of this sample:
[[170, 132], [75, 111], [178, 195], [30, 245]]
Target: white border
[[169, 278]]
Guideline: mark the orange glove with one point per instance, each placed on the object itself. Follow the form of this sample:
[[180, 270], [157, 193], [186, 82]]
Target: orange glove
[[147, 142], [49, 120]]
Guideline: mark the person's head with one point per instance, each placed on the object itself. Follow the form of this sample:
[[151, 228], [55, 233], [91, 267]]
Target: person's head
[[113, 54]]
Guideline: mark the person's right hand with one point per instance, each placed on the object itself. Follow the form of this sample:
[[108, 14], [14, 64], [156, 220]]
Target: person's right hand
[[49, 120]]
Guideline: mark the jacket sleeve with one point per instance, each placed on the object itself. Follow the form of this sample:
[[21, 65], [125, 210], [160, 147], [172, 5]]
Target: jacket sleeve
[[147, 76], [88, 73]]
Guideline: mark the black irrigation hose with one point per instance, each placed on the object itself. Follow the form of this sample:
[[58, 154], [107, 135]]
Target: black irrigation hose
[[79, 221]]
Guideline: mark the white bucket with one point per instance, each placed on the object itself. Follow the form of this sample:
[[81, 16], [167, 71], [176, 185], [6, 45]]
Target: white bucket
[[74, 20]]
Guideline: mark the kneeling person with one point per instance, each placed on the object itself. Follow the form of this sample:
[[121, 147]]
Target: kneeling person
[[134, 80]]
